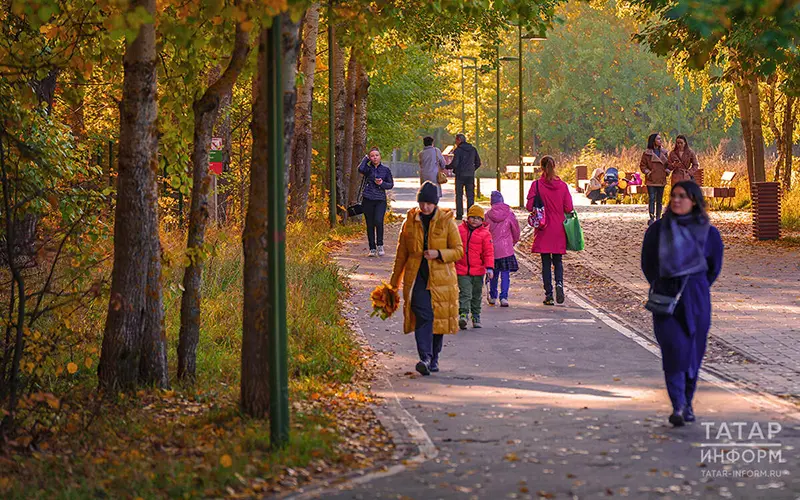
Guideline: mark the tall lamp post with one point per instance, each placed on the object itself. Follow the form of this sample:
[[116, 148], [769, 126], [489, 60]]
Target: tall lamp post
[[463, 117], [527, 36], [500, 60]]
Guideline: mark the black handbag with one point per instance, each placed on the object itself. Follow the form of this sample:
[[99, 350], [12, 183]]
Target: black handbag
[[357, 209], [664, 305]]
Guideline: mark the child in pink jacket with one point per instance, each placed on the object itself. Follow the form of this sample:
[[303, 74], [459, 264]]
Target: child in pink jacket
[[505, 231]]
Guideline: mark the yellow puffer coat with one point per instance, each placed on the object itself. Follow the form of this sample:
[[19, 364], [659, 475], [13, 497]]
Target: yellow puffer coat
[[442, 280]]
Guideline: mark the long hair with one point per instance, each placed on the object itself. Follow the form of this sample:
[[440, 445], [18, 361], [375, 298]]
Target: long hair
[[651, 141], [696, 195], [548, 167], [685, 142]]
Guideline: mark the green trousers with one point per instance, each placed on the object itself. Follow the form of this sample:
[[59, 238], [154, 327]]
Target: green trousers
[[470, 294]]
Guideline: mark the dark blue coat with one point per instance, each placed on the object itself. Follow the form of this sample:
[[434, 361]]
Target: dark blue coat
[[683, 336], [373, 191]]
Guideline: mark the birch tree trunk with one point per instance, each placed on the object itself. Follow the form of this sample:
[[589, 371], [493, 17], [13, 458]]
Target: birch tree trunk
[[300, 170], [134, 342], [360, 129], [256, 315], [339, 108], [206, 111]]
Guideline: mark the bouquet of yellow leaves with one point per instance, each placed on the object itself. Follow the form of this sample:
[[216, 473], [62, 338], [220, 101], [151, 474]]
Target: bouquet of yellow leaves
[[385, 300]]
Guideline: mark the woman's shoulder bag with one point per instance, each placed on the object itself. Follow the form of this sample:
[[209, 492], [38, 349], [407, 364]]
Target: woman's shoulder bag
[[357, 209], [664, 305], [536, 219]]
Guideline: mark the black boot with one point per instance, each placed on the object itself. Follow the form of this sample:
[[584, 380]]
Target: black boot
[[676, 419], [434, 366], [424, 367], [688, 412]]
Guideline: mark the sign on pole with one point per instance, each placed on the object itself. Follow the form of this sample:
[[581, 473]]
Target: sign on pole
[[215, 156]]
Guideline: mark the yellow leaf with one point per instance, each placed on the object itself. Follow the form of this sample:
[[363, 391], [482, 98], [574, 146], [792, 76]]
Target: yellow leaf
[[226, 461], [88, 362], [247, 26], [72, 368], [59, 370]]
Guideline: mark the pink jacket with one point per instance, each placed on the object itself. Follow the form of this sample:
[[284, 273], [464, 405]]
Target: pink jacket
[[478, 251], [557, 202], [504, 227]]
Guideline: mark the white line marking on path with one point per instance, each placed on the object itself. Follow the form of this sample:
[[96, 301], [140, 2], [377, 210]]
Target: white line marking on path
[[759, 399], [393, 409]]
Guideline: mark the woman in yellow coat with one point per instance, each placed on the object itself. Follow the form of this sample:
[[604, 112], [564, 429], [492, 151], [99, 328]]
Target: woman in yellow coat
[[427, 250]]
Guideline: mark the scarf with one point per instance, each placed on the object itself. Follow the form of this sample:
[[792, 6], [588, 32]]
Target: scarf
[[681, 249]]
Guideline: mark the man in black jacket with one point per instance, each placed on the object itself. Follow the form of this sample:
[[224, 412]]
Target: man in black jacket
[[465, 162]]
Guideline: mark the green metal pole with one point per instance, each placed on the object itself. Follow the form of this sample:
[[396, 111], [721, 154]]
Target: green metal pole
[[521, 131], [463, 116], [497, 119], [331, 125], [276, 244], [477, 134]]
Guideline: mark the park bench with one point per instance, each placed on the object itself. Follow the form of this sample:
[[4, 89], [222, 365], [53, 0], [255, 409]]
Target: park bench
[[528, 168], [723, 192]]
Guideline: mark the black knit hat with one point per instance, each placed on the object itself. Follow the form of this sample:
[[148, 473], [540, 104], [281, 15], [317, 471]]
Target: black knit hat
[[428, 193]]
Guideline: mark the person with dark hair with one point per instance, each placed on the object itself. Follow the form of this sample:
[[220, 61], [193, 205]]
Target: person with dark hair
[[655, 166], [378, 180], [682, 161], [681, 258], [431, 162], [550, 239], [427, 251], [465, 162]]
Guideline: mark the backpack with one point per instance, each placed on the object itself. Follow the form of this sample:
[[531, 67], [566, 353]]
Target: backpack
[[536, 219]]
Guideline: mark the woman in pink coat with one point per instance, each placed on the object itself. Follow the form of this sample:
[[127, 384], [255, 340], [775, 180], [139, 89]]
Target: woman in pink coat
[[505, 231], [550, 240]]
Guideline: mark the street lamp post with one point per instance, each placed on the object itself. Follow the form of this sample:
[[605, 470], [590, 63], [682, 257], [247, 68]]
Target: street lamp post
[[463, 100], [527, 36], [497, 111]]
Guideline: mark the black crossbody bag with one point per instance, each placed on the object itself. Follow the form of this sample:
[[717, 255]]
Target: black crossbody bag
[[357, 209], [664, 305]]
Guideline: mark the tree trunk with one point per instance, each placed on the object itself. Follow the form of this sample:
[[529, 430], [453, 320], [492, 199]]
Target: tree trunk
[[742, 98], [349, 123], [339, 108], [759, 168], [772, 105], [300, 170], [256, 315], [134, 342], [360, 130], [206, 111], [789, 116]]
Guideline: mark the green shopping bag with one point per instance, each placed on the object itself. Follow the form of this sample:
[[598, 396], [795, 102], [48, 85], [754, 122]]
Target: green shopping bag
[[572, 226]]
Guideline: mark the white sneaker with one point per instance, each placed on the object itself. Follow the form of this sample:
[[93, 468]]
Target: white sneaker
[[492, 301], [373, 253], [503, 302], [381, 253]]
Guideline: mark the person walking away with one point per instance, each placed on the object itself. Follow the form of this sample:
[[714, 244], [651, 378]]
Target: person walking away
[[595, 189], [378, 180], [466, 161], [550, 240], [477, 263], [427, 250], [431, 162], [505, 231], [655, 166], [682, 161], [683, 253]]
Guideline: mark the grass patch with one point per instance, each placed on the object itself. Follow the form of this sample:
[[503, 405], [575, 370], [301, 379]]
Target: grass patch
[[193, 442]]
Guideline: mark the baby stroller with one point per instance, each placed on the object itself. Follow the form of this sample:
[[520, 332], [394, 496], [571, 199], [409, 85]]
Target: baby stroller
[[612, 183]]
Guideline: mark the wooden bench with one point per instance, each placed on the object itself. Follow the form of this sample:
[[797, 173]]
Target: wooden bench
[[529, 169], [725, 191]]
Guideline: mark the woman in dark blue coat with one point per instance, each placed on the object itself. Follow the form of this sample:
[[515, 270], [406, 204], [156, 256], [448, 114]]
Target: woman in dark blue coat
[[683, 250]]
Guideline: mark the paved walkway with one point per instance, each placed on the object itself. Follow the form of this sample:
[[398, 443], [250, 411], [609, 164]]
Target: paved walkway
[[557, 402], [756, 302]]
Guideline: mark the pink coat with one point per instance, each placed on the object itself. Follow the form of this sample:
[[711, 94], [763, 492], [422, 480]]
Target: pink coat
[[557, 202], [504, 227]]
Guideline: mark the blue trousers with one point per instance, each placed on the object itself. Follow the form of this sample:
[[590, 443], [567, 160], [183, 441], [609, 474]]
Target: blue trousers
[[504, 277], [655, 196], [681, 387], [429, 345]]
